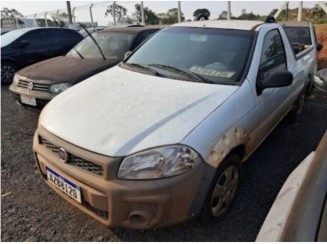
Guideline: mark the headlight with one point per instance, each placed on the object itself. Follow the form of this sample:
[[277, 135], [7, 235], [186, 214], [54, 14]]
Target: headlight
[[159, 163], [57, 88], [16, 79]]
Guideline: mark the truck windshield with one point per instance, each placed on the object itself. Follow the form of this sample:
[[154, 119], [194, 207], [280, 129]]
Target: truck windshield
[[112, 44], [215, 55]]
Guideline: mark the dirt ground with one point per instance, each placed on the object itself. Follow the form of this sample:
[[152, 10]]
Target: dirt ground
[[321, 31], [31, 211]]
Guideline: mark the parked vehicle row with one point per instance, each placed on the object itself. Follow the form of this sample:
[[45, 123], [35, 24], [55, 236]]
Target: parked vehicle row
[[35, 85], [161, 138]]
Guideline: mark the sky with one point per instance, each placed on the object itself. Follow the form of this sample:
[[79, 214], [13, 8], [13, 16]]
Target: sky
[[29, 8]]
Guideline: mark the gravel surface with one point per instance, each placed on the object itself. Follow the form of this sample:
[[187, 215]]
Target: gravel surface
[[31, 211]]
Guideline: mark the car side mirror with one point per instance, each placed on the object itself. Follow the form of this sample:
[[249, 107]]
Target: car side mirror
[[319, 47], [127, 54], [23, 44], [274, 79]]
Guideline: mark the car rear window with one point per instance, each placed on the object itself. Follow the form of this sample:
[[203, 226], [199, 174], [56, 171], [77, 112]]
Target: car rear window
[[300, 35], [12, 36]]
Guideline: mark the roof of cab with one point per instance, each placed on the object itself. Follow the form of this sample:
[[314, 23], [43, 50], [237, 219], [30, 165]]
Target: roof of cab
[[223, 24], [295, 23]]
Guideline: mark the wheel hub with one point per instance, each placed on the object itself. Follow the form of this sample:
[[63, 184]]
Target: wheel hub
[[7, 73], [224, 191]]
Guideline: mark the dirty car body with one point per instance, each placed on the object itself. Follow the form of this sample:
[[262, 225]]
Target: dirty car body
[[159, 139], [35, 85]]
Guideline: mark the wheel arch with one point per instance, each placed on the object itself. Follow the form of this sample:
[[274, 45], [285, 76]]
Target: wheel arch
[[235, 141]]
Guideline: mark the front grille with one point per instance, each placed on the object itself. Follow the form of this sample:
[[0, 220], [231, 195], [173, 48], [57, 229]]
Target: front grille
[[74, 160], [49, 145], [36, 86], [101, 213]]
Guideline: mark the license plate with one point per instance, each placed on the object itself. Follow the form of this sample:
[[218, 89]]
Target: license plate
[[28, 100], [64, 185]]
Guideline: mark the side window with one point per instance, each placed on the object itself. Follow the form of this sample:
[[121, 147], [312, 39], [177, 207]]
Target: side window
[[299, 35], [273, 54], [35, 38], [142, 37], [63, 36], [53, 36], [72, 36]]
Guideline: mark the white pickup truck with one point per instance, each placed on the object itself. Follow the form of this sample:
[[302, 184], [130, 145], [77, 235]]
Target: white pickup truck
[[160, 138]]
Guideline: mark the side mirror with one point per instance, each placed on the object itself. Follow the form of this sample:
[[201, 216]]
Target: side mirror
[[127, 54], [23, 44], [319, 47], [274, 79]]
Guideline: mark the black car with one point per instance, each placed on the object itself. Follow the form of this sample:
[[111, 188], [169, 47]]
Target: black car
[[23, 47], [35, 85]]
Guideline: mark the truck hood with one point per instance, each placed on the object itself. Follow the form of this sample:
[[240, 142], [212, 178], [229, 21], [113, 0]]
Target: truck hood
[[119, 112], [66, 69]]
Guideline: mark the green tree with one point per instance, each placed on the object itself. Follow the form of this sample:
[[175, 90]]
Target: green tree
[[249, 16], [315, 15], [6, 12], [201, 12], [170, 17], [150, 17], [12, 13], [117, 10]]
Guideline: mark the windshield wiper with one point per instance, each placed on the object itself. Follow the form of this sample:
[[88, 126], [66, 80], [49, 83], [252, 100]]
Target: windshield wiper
[[58, 24], [79, 54], [182, 71], [143, 67], [95, 42]]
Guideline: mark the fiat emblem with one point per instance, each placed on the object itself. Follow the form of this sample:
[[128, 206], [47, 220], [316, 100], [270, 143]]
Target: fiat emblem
[[30, 86], [63, 155]]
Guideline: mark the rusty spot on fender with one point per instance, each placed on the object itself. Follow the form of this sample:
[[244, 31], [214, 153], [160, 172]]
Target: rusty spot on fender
[[230, 140]]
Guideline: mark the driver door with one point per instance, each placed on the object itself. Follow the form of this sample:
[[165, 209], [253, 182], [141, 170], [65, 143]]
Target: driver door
[[271, 104]]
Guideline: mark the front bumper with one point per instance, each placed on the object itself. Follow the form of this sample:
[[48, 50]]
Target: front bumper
[[139, 204], [42, 98]]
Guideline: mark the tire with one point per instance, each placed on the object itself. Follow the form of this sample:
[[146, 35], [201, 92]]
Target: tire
[[222, 191], [8, 71], [295, 113]]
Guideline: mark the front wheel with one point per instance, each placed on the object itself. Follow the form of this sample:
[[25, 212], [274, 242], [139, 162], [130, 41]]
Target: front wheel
[[8, 71], [223, 189]]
